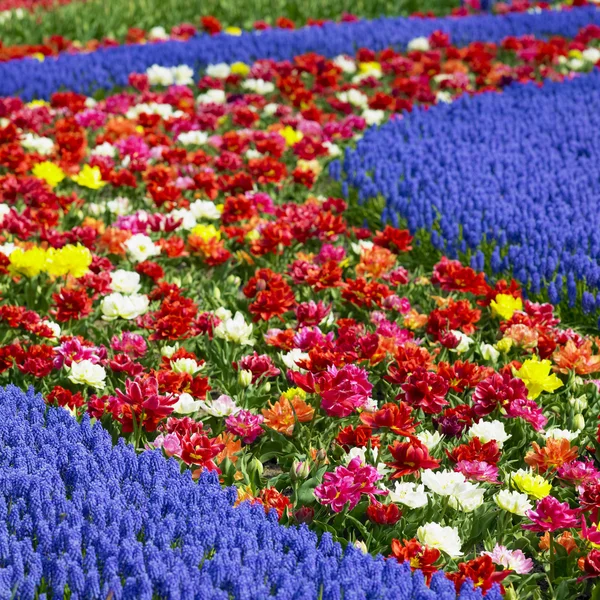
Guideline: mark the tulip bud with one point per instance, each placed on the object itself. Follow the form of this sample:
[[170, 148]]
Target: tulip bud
[[449, 340], [578, 404], [321, 455], [361, 546], [267, 386], [384, 514], [504, 345], [216, 293], [305, 514], [300, 470], [234, 280], [245, 378], [579, 422], [510, 594], [329, 320], [488, 352], [168, 351], [255, 466]]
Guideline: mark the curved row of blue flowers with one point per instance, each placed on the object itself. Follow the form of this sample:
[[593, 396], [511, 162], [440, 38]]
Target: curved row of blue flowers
[[110, 67], [78, 514], [510, 179]]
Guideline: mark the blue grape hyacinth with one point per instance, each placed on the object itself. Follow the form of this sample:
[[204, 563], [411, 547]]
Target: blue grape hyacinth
[[83, 519], [109, 67]]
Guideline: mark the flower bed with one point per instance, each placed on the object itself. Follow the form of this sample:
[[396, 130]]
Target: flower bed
[[177, 264], [53, 45], [30, 5], [109, 67]]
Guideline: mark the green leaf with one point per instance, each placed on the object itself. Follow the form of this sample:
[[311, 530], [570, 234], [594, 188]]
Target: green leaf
[[305, 492], [562, 592]]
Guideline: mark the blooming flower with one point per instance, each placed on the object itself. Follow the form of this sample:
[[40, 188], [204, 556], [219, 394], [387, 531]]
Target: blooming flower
[[185, 365], [221, 407], [531, 483], [497, 390], [550, 514], [218, 71], [478, 470], [52, 174], [558, 434], [410, 494], [426, 390], [186, 405], [513, 502], [555, 454], [419, 43], [89, 177], [430, 439], [410, 457], [125, 282], [419, 556], [293, 358], [345, 390], [39, 144], [158, 75], [245, 424], [444, 483], [480, 571], [578, 358], [505, 305], [73, 260], [487, 431], [87, 372], [468, 498], [536, 375], [514, 560], [27, 262], [283, 414], [115, 306], [235, 330], [140, 247], [347, 484], [442, 538], [488, 352]]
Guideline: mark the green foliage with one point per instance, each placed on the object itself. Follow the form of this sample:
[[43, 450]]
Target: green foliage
[[96, 19]]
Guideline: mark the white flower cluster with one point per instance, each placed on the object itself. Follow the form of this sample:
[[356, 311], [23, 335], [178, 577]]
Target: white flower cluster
[[165, 76], [462, 494], [235, 329], [36, 143]]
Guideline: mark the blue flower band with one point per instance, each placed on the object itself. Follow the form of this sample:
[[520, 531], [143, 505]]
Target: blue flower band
[[110, 67]]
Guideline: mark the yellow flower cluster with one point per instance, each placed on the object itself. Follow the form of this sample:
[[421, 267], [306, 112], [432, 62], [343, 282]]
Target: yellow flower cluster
[[68, 260], [52, 174], [293, 393], [89, 177], [240, 68], [505, 306], [290, 135], [206, 232]]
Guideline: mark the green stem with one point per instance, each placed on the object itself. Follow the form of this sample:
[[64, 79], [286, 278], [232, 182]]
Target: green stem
[[552, 555]]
